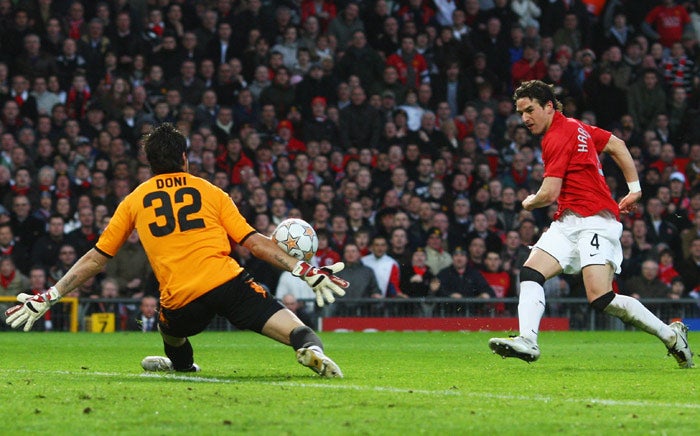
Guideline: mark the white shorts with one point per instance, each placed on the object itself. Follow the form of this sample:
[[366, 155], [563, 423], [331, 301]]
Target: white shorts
[[577, 242]]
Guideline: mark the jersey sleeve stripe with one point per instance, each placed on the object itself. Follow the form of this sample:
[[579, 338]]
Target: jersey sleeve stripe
[[103, 253], [247, 236]]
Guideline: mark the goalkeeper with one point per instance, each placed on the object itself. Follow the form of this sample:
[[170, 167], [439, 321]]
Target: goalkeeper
[[185, 224]]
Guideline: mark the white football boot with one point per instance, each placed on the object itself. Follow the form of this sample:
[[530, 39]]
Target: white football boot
[[516, 346], [160, 363], [321, 364], [681, 349]]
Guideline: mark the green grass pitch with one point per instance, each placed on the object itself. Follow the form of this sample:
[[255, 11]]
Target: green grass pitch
[[395, 383]]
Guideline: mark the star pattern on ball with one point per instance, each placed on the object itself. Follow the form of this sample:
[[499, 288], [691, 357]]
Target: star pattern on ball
[[291, 242], [309, 231]]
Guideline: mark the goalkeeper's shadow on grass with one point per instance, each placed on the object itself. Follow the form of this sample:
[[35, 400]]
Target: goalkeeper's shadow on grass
[[230, 379]]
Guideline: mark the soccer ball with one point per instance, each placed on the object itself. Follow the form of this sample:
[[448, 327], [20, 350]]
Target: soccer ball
[[297, 238]]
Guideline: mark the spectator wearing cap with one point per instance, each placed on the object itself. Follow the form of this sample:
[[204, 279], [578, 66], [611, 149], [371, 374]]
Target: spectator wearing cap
[[317, 126], [387, 108], [679, 178], [584, 67], [437, 257], [285, 130]]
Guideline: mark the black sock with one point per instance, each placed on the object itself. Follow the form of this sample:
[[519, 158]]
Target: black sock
[[304, 337], [182, 356]]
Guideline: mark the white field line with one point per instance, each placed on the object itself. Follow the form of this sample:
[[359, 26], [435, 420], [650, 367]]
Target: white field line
[[334, 385]]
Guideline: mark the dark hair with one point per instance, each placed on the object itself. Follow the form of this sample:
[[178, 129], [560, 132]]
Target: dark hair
[[164, 147], [539, 91]]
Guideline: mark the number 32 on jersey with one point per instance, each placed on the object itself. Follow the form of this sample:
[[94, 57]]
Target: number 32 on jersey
[[176, 212]]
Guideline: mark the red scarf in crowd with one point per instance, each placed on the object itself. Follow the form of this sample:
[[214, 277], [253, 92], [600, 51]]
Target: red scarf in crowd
[[6, 280], [74, 29], [420, 270]]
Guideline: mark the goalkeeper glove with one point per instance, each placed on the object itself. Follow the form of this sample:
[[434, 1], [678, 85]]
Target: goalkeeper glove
[[33, 308], [322, 280]]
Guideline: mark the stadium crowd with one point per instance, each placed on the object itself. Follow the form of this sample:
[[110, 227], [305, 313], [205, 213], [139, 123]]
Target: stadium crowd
[[388, 125]]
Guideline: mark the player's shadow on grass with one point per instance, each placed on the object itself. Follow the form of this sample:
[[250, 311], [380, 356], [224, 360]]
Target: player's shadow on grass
[[231, 379]]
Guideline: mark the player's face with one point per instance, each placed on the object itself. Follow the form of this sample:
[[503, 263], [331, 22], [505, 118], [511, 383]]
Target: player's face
[[536, 117]]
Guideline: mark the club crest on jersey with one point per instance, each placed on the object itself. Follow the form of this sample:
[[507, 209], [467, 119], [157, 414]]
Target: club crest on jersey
[[583, 137]]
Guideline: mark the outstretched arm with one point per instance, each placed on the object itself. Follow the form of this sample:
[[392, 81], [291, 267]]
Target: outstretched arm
[[617, 149], [33, 307], [265, 249], [323, 281], [91, 264]]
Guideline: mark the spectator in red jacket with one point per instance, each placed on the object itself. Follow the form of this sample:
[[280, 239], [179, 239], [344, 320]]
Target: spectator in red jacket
[[529, 67], [411, 65]]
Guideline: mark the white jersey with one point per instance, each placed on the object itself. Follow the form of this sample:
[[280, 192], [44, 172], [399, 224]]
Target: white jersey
[[383, 268]]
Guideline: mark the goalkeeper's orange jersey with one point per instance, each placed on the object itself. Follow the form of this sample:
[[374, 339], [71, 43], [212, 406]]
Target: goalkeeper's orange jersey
[[184, 223]]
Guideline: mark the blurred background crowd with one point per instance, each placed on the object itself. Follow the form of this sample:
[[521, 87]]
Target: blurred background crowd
[[388, 125]]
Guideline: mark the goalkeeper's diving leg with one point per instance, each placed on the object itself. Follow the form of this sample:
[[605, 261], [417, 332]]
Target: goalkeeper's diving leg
[[286, 328], [180, 356]]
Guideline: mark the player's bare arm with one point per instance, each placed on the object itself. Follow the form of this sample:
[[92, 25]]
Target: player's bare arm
[[617, 149], [546, 195], [265, 249], [91, 264], [322, 280], [34, 306]]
